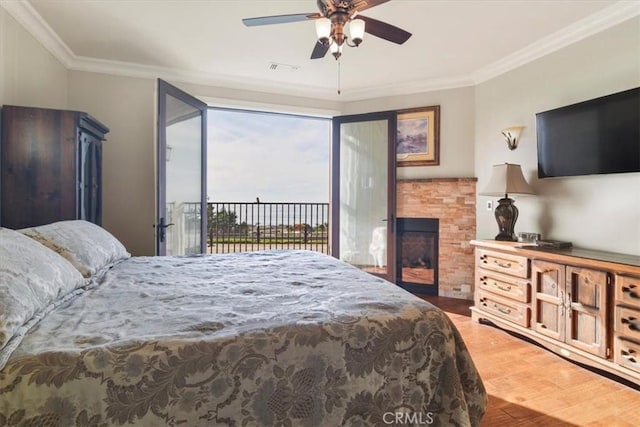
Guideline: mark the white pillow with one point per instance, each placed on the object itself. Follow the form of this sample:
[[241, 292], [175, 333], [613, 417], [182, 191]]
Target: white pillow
[[90, 248], [31, 278]]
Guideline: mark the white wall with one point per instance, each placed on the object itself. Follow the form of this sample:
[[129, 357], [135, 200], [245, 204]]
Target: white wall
[[29, 74], [597, 212], [127, 107], [457, 116]]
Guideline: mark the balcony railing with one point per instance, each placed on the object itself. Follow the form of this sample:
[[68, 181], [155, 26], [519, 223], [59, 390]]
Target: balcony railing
[[245, 227]]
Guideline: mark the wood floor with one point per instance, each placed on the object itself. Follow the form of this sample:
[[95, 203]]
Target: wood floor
[[530, 386]]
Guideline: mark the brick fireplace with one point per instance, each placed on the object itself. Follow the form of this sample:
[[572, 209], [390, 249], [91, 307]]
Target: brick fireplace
[[453, 202]]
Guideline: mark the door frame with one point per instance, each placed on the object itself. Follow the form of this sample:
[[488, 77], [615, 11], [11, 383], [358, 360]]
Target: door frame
[[164, 89], [391, 117]]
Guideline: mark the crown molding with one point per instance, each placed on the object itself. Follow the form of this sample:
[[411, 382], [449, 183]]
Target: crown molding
[[31, 20], [129, 69], [593, 24], [26, 15], [406, 88]]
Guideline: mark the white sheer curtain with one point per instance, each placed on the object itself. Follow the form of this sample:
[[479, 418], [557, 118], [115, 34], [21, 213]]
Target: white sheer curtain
[[363, 191]]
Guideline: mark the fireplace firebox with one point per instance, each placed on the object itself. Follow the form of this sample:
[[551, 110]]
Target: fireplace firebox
[[417, 255]]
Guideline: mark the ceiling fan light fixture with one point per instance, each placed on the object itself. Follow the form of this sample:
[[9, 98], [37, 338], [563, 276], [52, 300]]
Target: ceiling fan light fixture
[[323, 30], [336, 50], [356, 29], [330, 23]]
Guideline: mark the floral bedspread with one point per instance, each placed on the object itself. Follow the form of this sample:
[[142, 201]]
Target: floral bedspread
[[274, 338]]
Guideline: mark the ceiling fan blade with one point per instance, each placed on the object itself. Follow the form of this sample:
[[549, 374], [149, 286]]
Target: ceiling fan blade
[[385, 31], [280, 19], [319, 50], [360, 5]]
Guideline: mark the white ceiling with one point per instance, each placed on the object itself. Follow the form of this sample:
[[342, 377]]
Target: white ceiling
[[454, 42]]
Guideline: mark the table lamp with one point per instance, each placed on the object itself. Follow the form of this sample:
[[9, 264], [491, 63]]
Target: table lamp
[[506, 179]]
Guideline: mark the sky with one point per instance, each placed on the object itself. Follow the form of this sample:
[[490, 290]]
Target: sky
[[278, 158]]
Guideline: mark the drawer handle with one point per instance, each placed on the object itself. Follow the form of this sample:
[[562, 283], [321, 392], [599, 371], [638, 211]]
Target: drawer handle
[[503, 264], [631, 321], [631, 291], [502, 288], [628, 354], [501, 310]]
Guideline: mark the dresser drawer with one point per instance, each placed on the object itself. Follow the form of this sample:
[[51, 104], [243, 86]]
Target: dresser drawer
[[627, 354], [514, 265], [628, 290], [505, 308], [627, 322], [506, 286]]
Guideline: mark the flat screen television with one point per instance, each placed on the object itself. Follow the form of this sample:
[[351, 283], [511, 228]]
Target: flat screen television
[[598, 136]]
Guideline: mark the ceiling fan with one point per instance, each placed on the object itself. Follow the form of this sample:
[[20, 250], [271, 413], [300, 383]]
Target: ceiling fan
[[334, 15]]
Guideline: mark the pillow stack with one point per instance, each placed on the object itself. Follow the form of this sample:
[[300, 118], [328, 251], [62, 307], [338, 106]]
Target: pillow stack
[[42, 267], [31, 278]]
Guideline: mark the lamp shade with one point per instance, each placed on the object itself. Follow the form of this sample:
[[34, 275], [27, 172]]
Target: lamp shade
[[356, 28], [506, 178], [512, 134], [336, 49], [323, 29]]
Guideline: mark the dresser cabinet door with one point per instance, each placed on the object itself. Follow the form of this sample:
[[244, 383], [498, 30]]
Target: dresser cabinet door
[[586, 308], [548, 299]]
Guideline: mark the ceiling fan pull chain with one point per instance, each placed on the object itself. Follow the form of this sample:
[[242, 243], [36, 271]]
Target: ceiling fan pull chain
[[338, 77]]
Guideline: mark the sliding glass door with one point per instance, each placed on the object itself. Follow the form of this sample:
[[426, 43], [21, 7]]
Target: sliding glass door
[[363, 192], [181, 218]]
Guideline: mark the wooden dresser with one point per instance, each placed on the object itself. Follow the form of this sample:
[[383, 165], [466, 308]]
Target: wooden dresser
[[51, 166], [579, 303]]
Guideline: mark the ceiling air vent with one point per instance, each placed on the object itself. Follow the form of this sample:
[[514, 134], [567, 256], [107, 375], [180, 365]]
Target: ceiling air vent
[[276, 66]]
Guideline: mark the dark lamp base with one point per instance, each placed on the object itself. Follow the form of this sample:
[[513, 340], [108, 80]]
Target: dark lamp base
[[506, 216], [506, 237]]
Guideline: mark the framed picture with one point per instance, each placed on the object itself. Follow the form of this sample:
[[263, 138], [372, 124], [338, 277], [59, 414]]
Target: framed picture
[[418, 137]]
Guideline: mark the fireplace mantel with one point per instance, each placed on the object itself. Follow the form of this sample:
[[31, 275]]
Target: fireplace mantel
[[453, 202]]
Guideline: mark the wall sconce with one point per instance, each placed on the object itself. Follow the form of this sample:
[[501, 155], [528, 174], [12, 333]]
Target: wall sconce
[[506, 179], [512, 134]]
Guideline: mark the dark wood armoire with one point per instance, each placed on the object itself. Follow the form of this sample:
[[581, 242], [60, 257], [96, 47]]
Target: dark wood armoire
[[50, 166]]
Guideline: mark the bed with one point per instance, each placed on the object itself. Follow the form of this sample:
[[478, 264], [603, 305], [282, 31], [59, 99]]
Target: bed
[[90, 336]]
